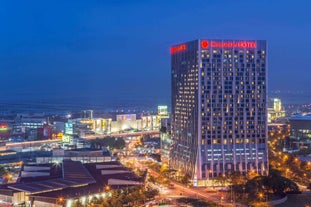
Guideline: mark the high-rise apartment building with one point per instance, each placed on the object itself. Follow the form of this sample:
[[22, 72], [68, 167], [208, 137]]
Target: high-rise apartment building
[[219, 112]]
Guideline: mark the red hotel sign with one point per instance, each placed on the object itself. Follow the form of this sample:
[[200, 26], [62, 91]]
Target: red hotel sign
[[229, 44], [216, 44], [178, 48]]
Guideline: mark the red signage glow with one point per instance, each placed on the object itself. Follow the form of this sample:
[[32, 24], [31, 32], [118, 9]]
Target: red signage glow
[[178, 48], [204, 44], [242, 44]]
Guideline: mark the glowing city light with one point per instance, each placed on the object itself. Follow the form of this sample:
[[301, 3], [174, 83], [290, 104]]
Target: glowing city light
[[228, 44], [178, 48]]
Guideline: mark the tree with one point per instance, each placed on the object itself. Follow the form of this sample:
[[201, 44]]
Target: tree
[[254, 186], [237, 178], [164, 169], [105, 203], [185, 179], [273, 183], [115, 202], [152, 179], [279, 184], [251, 174], [151, 193]]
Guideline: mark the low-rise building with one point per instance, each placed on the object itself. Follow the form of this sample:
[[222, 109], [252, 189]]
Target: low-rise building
[[301, 130], [62, 184], [300, 126]]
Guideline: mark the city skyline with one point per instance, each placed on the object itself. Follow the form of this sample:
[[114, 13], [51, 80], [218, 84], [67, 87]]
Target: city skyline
[[155, 103], [121, 49]]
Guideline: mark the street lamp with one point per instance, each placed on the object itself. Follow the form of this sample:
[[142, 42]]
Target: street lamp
[[211, 176], [60, 201], [287, 170], [260, 195], [9, 176], [304, 176], [221, 198], [232, 195]]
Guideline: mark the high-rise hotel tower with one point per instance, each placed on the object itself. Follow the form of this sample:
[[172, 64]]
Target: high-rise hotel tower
[[219, 112]]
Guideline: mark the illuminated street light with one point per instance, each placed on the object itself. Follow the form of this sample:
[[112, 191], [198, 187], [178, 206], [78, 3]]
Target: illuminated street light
[[304, 176], [60, 200], [287, 170], [260, 195]]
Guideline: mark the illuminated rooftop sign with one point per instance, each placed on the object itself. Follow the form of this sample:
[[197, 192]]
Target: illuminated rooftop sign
[[3, 127], [216, 44], [228, 44], [178, 48]]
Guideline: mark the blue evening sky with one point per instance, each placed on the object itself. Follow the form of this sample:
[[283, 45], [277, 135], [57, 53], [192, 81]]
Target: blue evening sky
[[91, 48]]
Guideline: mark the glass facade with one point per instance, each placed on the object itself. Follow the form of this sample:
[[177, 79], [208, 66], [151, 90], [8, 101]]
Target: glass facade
[[219, 111]]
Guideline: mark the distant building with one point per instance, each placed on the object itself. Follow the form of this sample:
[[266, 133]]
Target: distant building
[[59, 126], [275, 110], [30, 121], [5, 129], [163, 111], [87, 114], [29, 126], [121, 123], [301, 126], [69, 132], [166, 141], [149, 122], [125, 122]]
